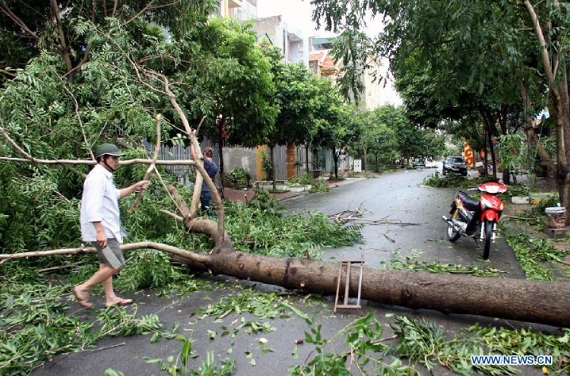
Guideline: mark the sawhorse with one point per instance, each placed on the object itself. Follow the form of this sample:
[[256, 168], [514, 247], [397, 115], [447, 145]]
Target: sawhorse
[[348, 264]]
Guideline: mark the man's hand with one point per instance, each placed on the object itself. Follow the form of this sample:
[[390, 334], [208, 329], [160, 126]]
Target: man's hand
[[141, 185], [102, 239], [137, 187]]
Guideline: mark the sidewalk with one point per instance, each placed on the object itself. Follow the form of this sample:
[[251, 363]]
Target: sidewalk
[[247, 194]]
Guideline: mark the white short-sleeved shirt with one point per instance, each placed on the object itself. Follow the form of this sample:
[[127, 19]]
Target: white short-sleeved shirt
[[100, 203]]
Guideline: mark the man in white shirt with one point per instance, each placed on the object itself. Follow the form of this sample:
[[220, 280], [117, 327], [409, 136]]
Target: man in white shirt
[[101, 224]]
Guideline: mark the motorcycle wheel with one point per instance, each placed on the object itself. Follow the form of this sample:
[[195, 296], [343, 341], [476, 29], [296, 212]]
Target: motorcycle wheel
[[452, 234], [488, 238]]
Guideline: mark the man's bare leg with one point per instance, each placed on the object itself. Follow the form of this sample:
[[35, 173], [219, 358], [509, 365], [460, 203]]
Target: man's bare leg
[[102, 275], [110, 297]]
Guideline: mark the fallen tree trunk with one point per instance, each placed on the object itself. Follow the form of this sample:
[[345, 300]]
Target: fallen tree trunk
[[524, 300], [514, 299]]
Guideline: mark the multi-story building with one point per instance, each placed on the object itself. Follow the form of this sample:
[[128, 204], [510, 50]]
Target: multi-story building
[[243, 10], [284, 35]]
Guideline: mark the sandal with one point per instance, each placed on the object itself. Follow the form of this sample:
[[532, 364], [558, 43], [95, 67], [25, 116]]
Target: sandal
[[121, 303]]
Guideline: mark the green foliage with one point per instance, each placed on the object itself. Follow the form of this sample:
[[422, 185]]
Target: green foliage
[[428, 344], [447, 181], [231, 77], [319, 185], [366, 350], [245, 300], [399, 262], [239, 173], [512, 152], [39, 215], [149, 269], [534, 255], [180, 366], [35, 324], [269, 233], [266, 165], [263, 201], [393, 132], [527, 341], [116, 321], [516, 190], [476, 95], [296, 89], [303, 179]]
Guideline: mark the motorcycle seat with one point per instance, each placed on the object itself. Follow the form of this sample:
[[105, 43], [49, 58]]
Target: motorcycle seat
[[469, 202]]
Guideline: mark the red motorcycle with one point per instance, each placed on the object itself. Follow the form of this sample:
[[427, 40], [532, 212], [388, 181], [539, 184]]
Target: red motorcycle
[[476, 218]]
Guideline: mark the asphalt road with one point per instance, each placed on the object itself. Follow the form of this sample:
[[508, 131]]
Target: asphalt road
[[412, 221], [410, 216]]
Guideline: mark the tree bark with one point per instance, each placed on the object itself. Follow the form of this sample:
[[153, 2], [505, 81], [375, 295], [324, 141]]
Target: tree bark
[[510, 299], [556, 75], [524, 300]]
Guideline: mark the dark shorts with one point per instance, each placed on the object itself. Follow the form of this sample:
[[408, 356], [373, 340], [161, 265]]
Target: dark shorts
[[112, 255]]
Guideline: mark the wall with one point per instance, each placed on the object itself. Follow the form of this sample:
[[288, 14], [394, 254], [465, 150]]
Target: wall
[[240, 157]]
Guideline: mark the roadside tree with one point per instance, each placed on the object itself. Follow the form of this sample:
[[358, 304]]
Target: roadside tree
[[337, 123], [232, 84], [519, 45], [294, 96]]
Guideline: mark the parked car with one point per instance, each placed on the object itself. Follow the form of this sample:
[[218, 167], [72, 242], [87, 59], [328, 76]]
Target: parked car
[[454, 164], [418, 162]]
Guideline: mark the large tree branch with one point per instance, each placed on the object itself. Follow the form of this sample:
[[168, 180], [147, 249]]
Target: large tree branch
[[172, 162], [31, 159], [8, 12], [545, 159], [200, 161], [64, 50], [151, 167], [542, 43], [196, 257]]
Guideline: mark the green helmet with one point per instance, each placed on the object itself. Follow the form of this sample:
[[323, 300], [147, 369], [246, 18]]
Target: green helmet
[[108, 149]]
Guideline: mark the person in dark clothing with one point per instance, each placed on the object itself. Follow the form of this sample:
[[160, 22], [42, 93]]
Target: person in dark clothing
[[212, 169]]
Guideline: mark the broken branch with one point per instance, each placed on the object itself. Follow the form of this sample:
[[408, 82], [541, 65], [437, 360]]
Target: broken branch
[[150, 168]]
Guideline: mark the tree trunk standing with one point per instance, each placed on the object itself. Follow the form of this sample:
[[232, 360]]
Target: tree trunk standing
[[273, 169], [307, 170], [336, 156], [556, 75], [543, 155], [220, 122], [560, 101], [492, 152], [524, 300], [376, 162]]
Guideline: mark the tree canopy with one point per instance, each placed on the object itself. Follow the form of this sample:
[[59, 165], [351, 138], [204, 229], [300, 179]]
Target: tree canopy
[[490, 54]]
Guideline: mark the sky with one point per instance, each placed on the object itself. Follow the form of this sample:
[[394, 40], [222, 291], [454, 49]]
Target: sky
[[297, 10], [301, 11]]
